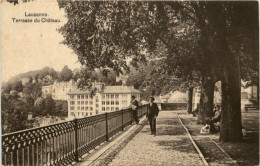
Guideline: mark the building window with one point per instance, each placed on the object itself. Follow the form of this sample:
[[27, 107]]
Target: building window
[[78, 102], [86, 108], [82, 96], [72, 114], [82, 108], [112, 96], [86, 102], [107, 103], [124, 96], [97, 105], [96, 111], [91, 108], [72, 108], [103, 109], [86, 114], [86, 96], [72, 102], [103, 96], [103, 102], [78, 108], [78, 96], [90, 113], [96, 99], [82, 102], [107, 96], [112, 102], [116, 96], [90, 102], [124, 102], [112, 108], [117, 102], [107, 108], [71, 96], [117, 108]]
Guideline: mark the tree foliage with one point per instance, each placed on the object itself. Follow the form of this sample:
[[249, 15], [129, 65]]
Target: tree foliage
[[14, 114], [66, 74], [34, 90]]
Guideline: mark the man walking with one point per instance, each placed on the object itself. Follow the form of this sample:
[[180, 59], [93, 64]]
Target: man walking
[[152, 113], [134, 107]]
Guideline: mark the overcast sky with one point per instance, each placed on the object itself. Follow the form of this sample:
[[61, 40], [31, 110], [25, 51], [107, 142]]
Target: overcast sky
[[31, 46]]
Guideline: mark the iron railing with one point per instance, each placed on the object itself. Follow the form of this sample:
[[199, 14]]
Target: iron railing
[[63, 143]]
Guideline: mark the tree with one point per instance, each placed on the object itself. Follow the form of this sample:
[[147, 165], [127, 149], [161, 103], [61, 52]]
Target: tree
[[49, 105], [65, 74], [34, 90], [189, 103], [30, 79], [36, 78], [7, 88], [18, 86], [14, 114]]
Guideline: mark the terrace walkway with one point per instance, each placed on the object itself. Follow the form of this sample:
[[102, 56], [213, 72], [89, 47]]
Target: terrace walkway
[[171, 146]]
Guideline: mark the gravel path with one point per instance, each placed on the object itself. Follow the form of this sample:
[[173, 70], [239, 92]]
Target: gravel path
[[170, 147]]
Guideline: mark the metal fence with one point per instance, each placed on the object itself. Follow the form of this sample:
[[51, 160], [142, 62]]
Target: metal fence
[[63, 143]]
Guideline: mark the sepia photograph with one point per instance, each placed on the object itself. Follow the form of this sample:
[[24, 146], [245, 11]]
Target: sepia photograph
[[129, 83]]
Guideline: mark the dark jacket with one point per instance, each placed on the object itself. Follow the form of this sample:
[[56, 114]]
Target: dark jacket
[[135, 103], [152, 110]]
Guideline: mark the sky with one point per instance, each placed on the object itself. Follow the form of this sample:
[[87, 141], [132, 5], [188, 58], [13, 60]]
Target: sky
[[32, 46]]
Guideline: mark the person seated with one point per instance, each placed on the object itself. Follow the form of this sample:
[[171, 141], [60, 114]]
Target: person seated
[[213, 122]]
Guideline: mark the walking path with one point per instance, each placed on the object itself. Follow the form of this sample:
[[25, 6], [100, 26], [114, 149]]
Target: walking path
[[171, 146]]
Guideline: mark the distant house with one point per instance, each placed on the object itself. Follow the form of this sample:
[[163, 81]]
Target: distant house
[[59, 90], [248, 95], [106, 99], [174, 97]]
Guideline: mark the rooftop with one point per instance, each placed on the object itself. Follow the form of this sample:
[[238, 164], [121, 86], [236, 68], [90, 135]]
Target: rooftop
[[108, 89], [78, 91], [120, 89]]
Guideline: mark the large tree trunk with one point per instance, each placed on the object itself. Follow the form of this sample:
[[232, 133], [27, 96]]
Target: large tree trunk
[[189, 103], [231, 127], [206, 100]]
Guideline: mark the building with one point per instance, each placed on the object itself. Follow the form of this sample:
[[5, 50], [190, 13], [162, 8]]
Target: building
[[174, 97], [248, 95], [106, 99], [59, 90]]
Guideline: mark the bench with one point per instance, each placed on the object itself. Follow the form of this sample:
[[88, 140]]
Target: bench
[[251, 107]]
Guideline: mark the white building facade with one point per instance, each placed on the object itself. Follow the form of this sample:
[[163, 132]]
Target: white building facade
[[59, 90], [107, 99]]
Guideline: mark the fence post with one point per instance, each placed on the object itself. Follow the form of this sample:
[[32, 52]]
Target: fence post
[[76, 140], [141, 111], [106, 128], [122, 120]]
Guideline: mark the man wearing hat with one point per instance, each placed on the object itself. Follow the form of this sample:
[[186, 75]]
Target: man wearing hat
[[134, 107], [152, 113]]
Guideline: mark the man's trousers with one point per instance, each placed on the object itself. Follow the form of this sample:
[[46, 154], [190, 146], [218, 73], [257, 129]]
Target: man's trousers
[[152, 122]]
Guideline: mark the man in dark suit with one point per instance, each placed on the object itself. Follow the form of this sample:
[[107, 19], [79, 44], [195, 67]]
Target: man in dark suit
[[152, 113], [134, 107]]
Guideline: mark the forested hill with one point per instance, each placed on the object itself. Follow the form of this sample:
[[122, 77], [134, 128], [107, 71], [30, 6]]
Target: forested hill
[[35, 73]]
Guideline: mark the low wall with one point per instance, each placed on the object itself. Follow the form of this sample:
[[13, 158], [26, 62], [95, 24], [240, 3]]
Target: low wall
[[174, 106]]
